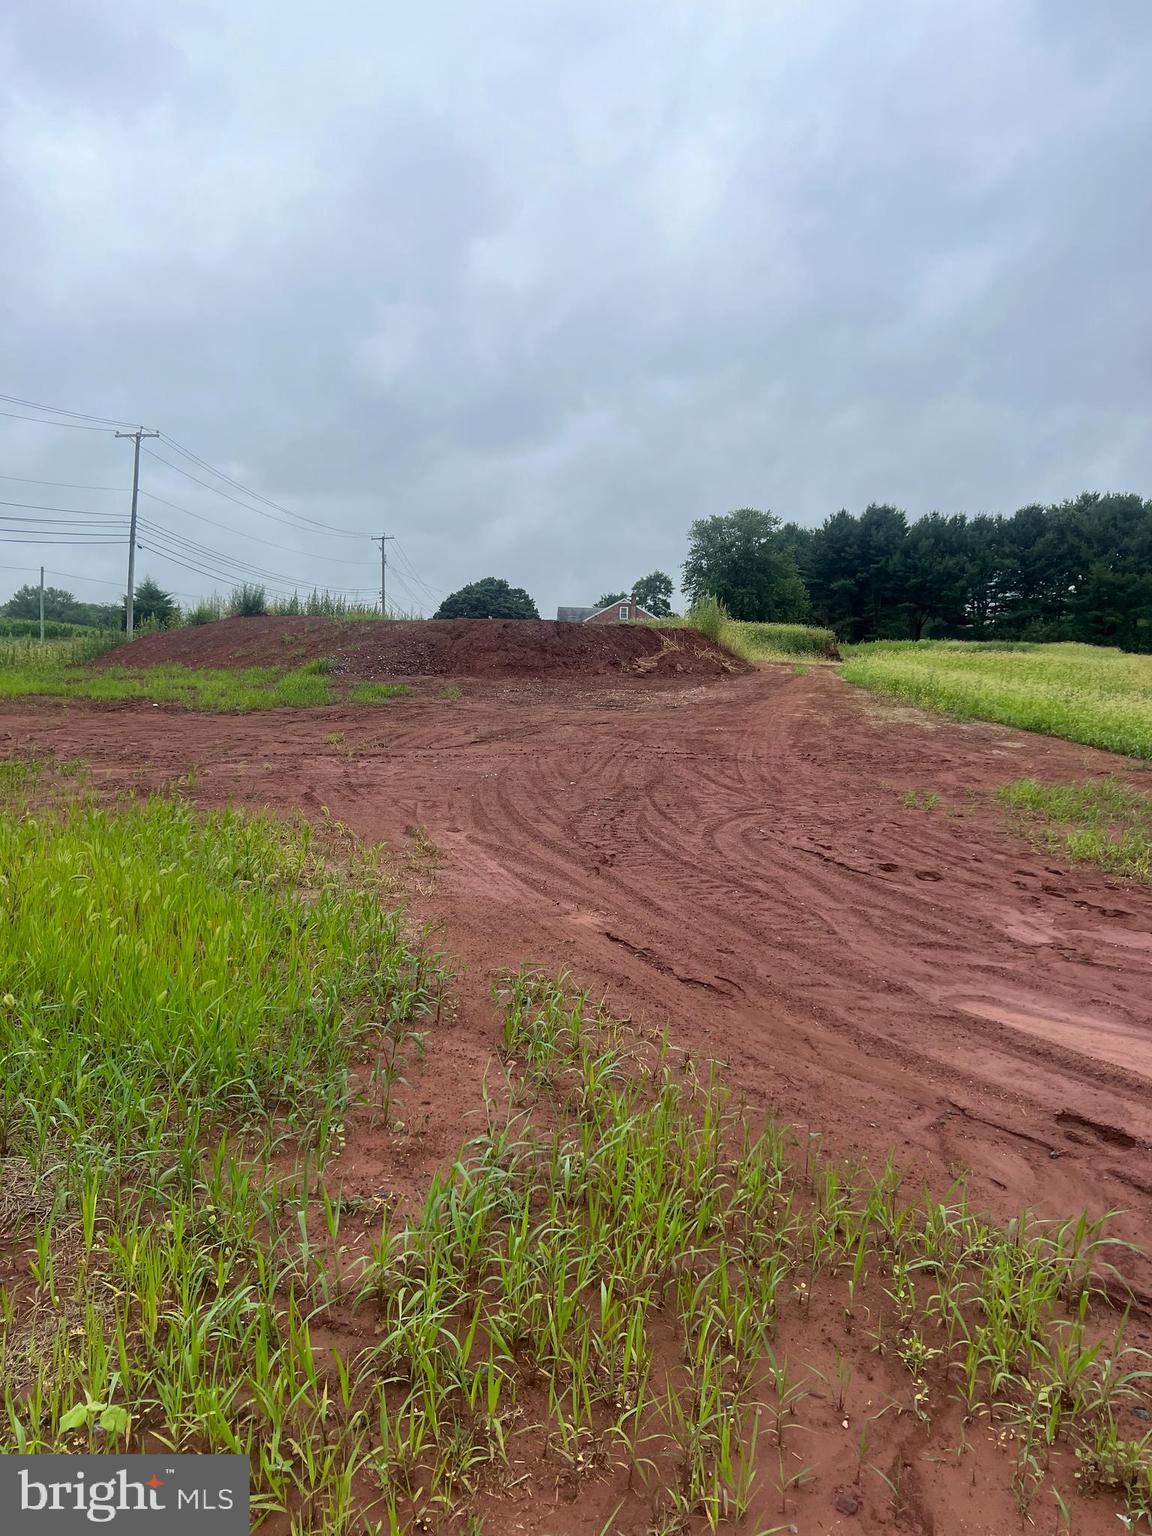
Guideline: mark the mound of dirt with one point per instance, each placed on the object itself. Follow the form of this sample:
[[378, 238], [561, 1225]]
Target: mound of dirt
[[370, 650]]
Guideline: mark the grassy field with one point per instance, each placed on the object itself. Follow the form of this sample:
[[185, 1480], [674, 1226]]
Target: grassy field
[[1083, 693], [57, 669], [1099, 821]]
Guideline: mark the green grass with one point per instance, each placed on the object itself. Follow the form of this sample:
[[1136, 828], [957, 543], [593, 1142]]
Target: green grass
[[753, 641], [783, 642], [27, 657], [59, 672], [161, 972], [1089, 694], [1098, 821], [192, 1004], [920, 799], [376, 693], [54, 629], [227, 691]]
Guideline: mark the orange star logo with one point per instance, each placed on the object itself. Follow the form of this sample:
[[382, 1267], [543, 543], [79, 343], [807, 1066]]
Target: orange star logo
[[155, 1482]]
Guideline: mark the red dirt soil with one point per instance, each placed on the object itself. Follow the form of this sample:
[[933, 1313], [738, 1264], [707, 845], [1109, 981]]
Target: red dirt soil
[[734, 863], [374, 650]]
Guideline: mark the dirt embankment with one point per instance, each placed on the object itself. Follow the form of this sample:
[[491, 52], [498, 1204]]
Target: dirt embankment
[[494, 648]]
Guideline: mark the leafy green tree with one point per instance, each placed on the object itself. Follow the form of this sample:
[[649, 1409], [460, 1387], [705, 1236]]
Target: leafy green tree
[[741, 558], [491, 598], [654, 592], [152, 605], [606, 599], [58, 604]]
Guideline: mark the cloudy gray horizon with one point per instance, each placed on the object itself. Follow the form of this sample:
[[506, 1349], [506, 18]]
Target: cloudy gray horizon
[[534, 286]]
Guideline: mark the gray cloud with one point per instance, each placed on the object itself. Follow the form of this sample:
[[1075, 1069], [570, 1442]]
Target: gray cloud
[[536, 285]]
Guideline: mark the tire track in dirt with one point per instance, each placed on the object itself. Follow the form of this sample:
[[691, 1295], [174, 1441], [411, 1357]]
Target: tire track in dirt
[[734, 863]]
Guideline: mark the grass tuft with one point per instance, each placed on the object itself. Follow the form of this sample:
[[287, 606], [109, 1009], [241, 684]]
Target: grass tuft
[[1098, 821], [376, 693]]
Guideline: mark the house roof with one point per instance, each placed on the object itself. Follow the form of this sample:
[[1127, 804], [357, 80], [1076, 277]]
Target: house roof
[[593, 613], [573, 615]]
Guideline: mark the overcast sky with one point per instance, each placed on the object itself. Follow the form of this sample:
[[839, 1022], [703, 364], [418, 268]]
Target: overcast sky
[[533, 285]]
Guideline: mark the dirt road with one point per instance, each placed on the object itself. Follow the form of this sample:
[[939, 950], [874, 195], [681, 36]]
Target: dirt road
[[733, 861]]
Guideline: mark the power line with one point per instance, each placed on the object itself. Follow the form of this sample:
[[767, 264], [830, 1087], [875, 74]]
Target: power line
[[414, 598], [59, 410], [433, 592], [244, 566], [286, 549], [99, 525], [212, 575], [63, 485], [47, 422], [216, 491], [36, 506], [258, 495]]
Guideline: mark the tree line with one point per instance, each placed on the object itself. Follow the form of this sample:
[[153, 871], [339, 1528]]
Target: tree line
[[1074, 570]]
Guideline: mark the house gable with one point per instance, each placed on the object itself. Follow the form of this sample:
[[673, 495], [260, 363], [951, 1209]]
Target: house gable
[[627, 611]]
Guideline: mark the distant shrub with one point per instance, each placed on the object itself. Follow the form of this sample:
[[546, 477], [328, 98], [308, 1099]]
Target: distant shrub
[[209, 610], [249, 601]]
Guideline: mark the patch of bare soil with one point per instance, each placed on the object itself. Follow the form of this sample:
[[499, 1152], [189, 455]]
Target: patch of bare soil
[[734, 864]]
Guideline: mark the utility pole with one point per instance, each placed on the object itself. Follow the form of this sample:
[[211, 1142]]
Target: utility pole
[[383, 542], [130, 609], [41, 605]]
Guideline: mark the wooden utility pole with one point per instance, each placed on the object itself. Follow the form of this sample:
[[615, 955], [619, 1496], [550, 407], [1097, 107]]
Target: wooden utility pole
[[41, 605], [383, 542], [130, 608]]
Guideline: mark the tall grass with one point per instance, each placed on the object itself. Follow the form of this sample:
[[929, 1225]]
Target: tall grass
[[54, 629], [754, 641], [28, 656], [162, 973], [1089, 694], [788, 642]]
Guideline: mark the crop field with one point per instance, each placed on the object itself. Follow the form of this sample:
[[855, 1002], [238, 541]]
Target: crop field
[[1083, 693], [363, 1115]]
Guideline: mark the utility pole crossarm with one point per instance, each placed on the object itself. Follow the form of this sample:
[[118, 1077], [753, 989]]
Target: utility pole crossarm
[[130, 600]]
